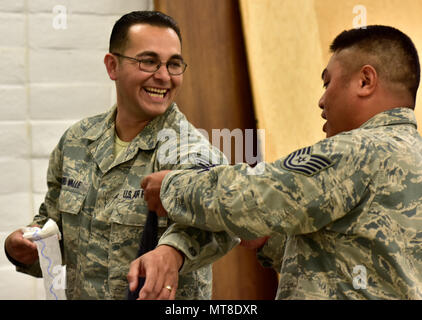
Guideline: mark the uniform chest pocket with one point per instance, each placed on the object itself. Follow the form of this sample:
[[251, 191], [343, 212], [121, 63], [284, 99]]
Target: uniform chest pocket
[[127, 224], [71, 202], [133, 212]]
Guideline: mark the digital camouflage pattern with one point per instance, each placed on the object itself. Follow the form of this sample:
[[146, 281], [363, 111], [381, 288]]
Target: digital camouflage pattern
[[347, 228], [98, 205]]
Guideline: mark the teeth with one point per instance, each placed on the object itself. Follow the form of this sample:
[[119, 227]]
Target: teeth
[[156, 95], [156, 90]]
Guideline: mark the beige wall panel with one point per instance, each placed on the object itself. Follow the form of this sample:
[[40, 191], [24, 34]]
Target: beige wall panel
[[287, 45], [285, 65], [335, 16]]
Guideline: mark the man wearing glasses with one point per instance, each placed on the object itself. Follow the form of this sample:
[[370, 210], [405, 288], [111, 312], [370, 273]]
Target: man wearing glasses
[[102, 215]]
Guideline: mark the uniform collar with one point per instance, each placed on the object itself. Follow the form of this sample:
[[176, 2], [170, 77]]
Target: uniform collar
[[101, 135], [99, 128], [145, 140], [391, 117]]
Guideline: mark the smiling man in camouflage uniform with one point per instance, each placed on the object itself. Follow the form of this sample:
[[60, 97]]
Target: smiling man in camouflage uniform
[[95, 172], [344, 216]]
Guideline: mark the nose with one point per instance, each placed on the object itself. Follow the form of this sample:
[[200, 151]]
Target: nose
[[321, 102], [162, 73]]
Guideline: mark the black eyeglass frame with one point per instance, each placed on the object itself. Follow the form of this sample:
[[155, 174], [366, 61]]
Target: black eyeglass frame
[[158, 66]]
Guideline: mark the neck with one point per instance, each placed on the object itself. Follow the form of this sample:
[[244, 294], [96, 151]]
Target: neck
[[127, 127], [382, 103], [395, 96]]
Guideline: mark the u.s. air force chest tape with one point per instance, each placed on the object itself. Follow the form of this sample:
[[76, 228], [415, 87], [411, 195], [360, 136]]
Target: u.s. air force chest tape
[[305, 162], [50, 257]]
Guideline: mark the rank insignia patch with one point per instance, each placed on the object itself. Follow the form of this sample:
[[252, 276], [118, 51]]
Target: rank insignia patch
[[302, 161]]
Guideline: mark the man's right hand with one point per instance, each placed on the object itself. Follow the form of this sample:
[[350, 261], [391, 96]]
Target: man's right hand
[[160, 267], [21, 249]]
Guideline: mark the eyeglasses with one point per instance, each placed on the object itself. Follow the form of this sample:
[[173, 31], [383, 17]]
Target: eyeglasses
[[175, 66]]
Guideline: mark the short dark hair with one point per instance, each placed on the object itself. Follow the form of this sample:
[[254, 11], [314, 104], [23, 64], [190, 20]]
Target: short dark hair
[[118, 38], [393, 53]]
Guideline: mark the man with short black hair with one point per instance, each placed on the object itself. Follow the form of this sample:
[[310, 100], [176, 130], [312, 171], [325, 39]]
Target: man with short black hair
[[388, 50], [102, 216], [119, 34], [343, 216]]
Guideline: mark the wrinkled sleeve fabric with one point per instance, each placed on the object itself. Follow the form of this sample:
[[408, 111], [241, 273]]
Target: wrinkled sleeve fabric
[[271, 254], [200, 247], [282, 199]]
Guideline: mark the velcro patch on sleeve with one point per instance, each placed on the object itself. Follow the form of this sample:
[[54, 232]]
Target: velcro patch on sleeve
[[304, 162]]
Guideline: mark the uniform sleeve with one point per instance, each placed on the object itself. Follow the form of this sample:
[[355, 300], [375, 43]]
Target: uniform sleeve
[[200, 247], [298, 194], [272, 253], [48, 208]]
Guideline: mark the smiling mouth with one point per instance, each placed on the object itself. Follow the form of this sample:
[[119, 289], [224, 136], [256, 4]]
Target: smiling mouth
[[323, 116], [156, 92]]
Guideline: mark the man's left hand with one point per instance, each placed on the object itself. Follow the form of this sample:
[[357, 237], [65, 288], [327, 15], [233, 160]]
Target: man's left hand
[[152, 186]]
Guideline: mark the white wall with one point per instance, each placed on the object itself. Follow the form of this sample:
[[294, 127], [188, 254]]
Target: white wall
[[49, 79]]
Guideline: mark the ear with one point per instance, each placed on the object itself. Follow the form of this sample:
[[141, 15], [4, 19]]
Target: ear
[[111, 65], [368, 80]]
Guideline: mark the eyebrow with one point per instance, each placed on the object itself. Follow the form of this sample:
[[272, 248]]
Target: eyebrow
[[155, 55], [323, 73]]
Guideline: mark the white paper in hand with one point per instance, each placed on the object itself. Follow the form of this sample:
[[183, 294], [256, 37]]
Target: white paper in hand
[[54, 274]]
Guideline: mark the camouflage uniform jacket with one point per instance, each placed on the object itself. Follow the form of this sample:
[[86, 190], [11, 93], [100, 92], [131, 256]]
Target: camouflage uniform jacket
[[349, 209], [97, 202]]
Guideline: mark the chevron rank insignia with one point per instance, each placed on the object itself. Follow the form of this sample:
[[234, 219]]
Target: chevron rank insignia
[[302, 161]]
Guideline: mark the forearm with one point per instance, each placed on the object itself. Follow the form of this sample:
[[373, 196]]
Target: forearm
[[211, 200]]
